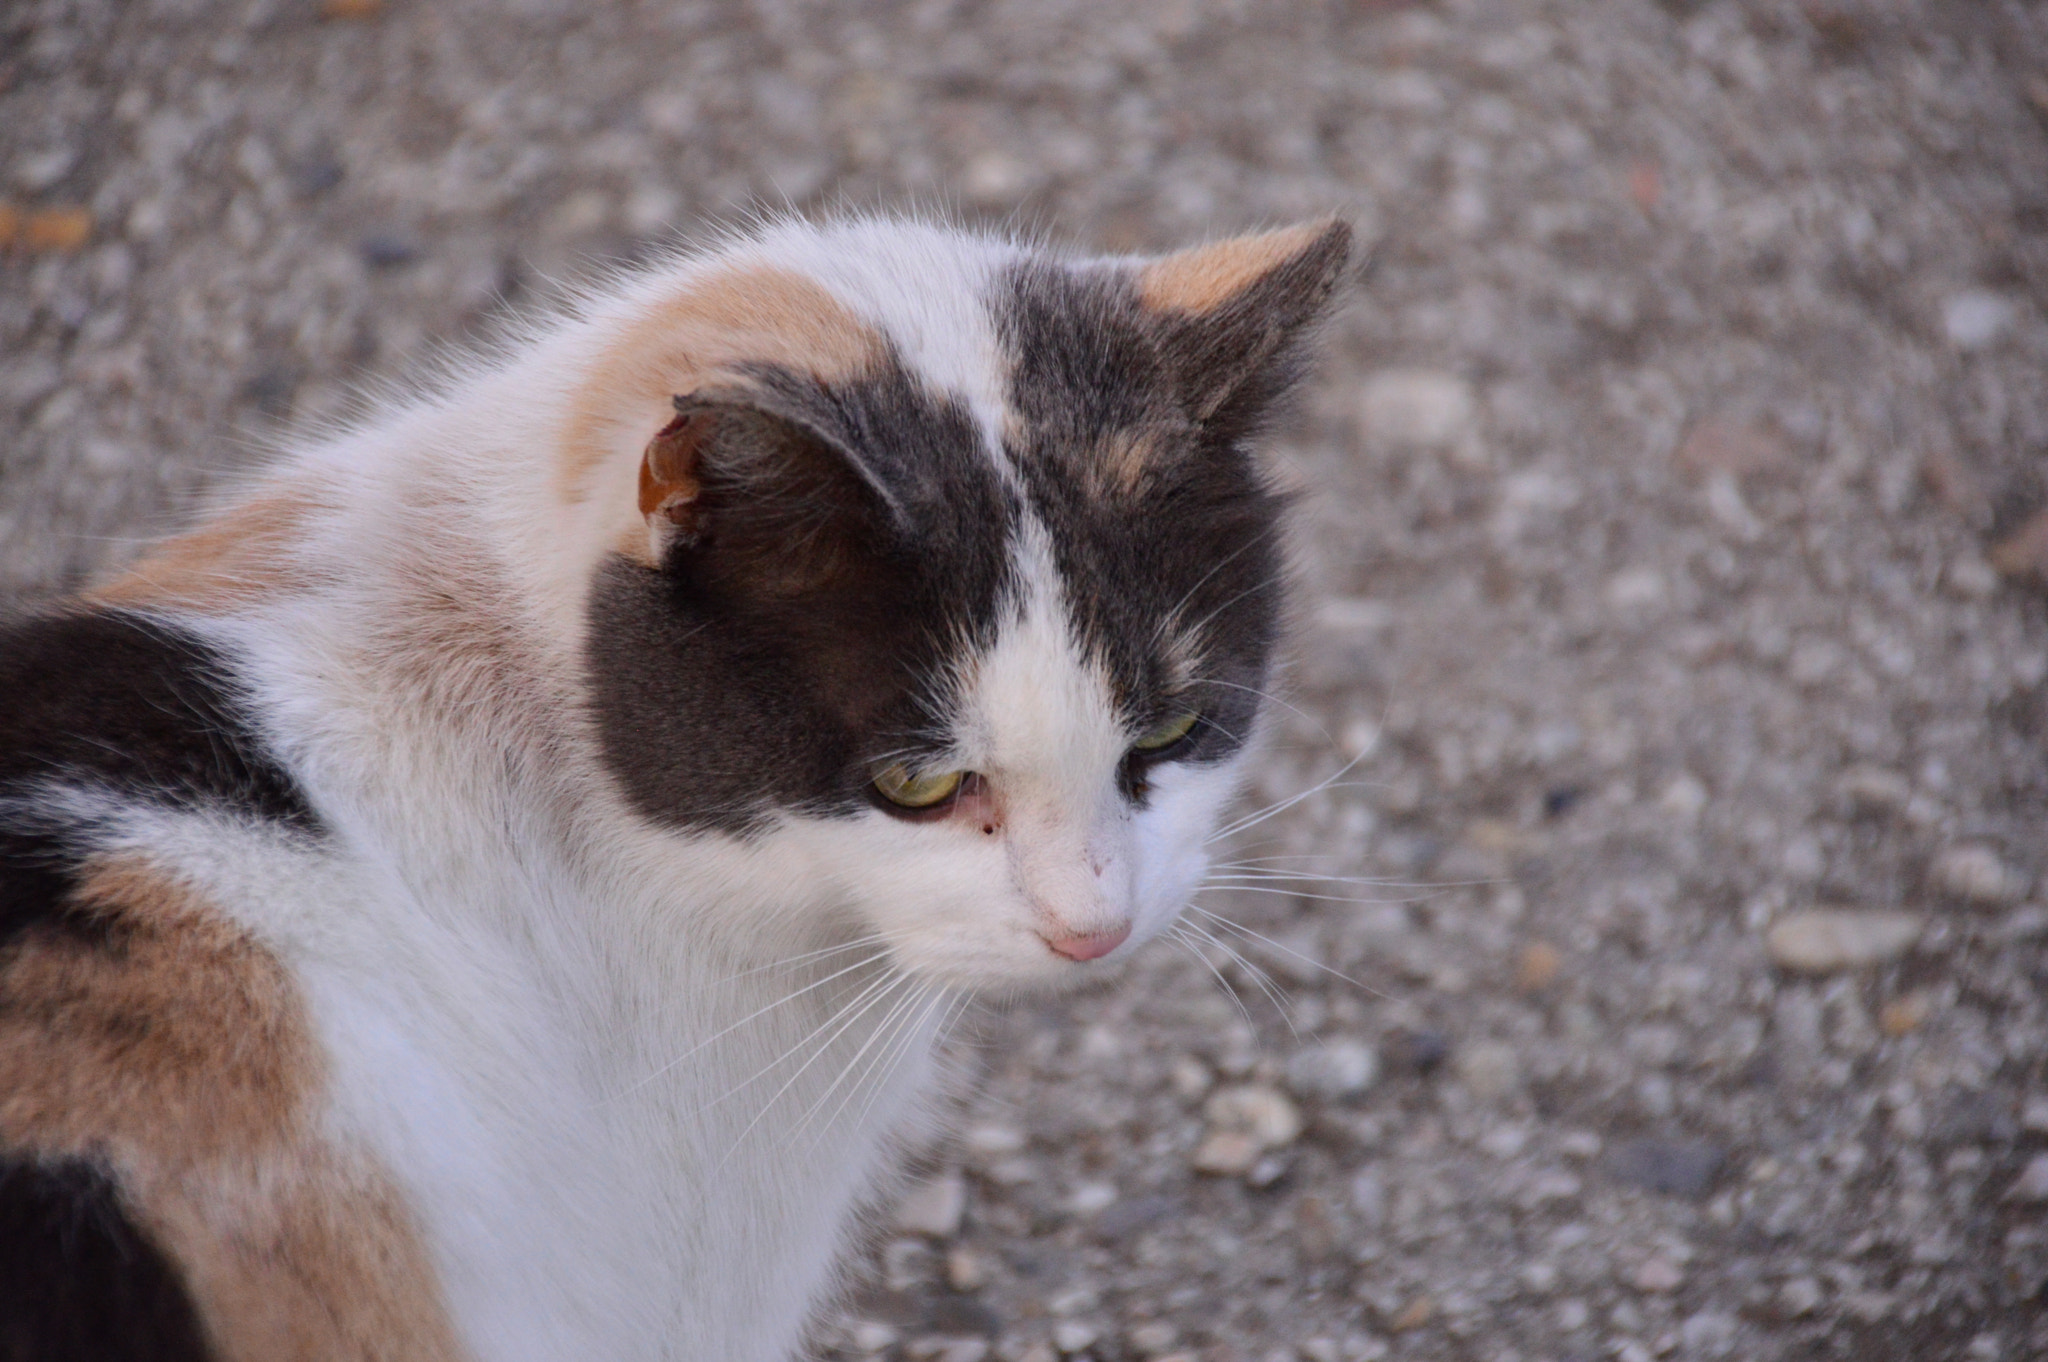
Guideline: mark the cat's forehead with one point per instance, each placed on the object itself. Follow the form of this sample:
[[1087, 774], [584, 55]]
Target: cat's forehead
[[1073, 376]]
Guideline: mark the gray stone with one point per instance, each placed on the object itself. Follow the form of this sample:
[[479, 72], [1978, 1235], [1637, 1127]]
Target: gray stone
[[1674, 1167], [1338, 1068], [2032, 1183]]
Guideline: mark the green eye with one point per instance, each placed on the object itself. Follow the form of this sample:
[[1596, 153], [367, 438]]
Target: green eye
[[899, 786], [1168, 732]]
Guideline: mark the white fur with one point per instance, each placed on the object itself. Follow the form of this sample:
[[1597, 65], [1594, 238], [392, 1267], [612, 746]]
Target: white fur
[[630, 1128]]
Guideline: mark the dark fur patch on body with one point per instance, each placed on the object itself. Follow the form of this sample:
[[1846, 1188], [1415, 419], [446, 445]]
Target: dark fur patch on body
[[118, 702], [856, 535], [79, 1280]]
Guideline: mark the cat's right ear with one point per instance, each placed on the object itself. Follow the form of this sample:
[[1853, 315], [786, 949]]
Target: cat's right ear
[[671, 478], [758, 492]]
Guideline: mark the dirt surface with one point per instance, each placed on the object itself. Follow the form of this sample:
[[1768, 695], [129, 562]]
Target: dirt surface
[[1673, 580]]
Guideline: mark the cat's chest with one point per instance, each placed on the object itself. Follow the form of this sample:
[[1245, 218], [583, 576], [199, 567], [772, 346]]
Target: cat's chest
[[635, 1172]]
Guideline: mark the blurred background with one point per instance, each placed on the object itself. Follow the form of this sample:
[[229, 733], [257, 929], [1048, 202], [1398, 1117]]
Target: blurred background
[[1672, 551]]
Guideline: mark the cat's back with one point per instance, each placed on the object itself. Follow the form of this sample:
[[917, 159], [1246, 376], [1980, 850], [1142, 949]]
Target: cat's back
[[166, 1189]]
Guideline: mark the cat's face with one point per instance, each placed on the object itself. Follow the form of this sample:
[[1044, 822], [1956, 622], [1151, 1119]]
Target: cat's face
[[964, 598]]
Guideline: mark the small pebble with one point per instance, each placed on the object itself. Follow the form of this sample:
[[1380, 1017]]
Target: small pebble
[[1340, 1068], [1489, 1070], [1414, 1315], [993, 1141], [1903, 1015], [934, 1207], [1540, 965], [1658, 1275], [1226, 1153], [2032, 1183], [1873, 790], [872, 1336], [1975, 873], [358, 10], [1970, 577], [1799, 1297], [387, 250], [1265, 1114], [1267, 1171], [1090, 1197], [1708, 1334], [2034, 1116], [55, 229], [1153, 1339], [1975, 318], [1072, 1336], [1823, 940], [966, 1270], [1682, 1168]]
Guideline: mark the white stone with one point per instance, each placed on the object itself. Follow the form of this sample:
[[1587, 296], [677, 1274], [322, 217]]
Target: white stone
[[1340, 1068], [1090, 1197], [1489, 1069], [1417, 407], [1684, 796], [934, 1207], [1071, 1336], [871, 1336], [1974, 873], [1976, 317], [994, 1140], [1635, 589], [1823, 940], [1708, 1334], [1658, 1275], [1873, 789], [1264, 1114], [1800, 1296]]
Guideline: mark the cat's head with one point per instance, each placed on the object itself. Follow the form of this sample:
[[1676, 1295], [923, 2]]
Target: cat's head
[[946, 573]]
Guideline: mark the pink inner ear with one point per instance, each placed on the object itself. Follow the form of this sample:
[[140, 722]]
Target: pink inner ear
[[669, 485]]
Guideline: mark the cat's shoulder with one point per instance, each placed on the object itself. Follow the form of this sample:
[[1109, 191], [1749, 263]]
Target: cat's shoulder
[[166, 1183]]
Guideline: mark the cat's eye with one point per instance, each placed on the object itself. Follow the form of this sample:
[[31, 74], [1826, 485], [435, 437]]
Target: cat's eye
[[900, 786], [1167, 732]]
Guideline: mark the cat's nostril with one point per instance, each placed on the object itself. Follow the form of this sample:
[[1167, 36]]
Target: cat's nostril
[[1090, 945]]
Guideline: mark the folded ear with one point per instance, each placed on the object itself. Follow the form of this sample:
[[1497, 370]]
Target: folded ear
[[1232, 316], [755, 493]]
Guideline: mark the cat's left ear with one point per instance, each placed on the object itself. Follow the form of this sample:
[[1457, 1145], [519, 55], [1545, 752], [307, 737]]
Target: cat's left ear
[[1232, 316]]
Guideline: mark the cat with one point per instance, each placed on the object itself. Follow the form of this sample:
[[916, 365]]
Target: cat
[[493, 889]]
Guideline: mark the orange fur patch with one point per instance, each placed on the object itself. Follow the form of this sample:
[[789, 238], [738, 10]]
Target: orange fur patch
[[230, 560], [1206, 277], [755, 314], [175, 1051]]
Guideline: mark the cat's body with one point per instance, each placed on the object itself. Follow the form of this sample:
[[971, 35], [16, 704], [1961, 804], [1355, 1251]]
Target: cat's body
[[492, 890]]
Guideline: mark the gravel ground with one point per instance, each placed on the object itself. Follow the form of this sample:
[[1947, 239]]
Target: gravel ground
[[1674, 541]]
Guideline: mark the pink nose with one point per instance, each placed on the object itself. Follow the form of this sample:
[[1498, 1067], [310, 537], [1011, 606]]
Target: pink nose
[[1093, 946]]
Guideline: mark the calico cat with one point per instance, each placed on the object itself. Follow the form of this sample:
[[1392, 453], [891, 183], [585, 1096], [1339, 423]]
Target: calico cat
[[491, 890]]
